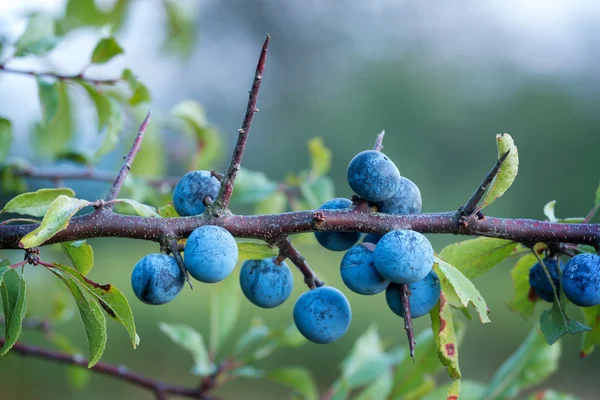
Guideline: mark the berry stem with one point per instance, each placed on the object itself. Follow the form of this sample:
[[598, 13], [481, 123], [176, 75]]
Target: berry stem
[[405, 293], [222, 201], [135, 148], [173, 247], [379, 141], [287, 249]]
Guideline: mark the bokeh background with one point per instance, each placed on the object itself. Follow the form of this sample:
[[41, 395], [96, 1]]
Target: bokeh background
[[441, 78]]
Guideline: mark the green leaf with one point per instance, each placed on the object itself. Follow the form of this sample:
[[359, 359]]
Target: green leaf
[[379, 389], [454, 389], [551, 395], [39, 36], [78, 377], [168, 211], [474, 257], [9, 181], [54, 133], [251, 187], [139, 92], [181, 26], [549, 211], [192, 341], [80, 254], [258, 332], [5, 138], [114, 126], [78, 156], [592, 338], [555, 323], [276, 203], [4, 268], [140, 209], [529, 365], [508, 171], [14, 302], [106, 50], [93, 320], [56, 219], [80, 13], [35, 203], [102, 102], [445, 337], [109, 297], [521, 301], [597, 197], [276, 339], [224, 311], [459, 290], [317, 191], [320, 157], [300, 380], [248, 250]]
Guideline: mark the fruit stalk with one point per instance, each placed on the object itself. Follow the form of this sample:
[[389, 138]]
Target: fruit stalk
[[405, 292]]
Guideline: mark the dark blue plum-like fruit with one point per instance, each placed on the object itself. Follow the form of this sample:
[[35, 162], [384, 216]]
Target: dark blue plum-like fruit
[[539, 281], [210, 254], [581, 280], [337, 241], [372, 238], [358, 270], [265, 283], [407, 200], [192, 189], [322, 315], [424, 296], [403, 256], [373, 176], [157, 279]]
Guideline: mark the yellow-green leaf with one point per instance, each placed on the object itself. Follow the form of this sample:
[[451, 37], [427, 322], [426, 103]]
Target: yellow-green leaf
[[39, 36], [54, 133], [168, 211], [521, 301], [592, 338], [80, 254], [446, 339], [140, 209], [474, 257], [139, 92], [14, 303], [56, 219], [5, 138], [105, 50], [248, 250], [508, 170], [274, 204], [320, 157], [35, 203]]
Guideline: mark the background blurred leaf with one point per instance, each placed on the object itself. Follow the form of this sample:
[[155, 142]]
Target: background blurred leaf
[[317, 191], [35, 203], [508, 171], [591, 338], [252, 186], [181, 26], [224, 311], [143, 210], [192, 341], [248, 250], [39, 37], [80, 254], [551, 395], [106, 49], [300, 380], [5, 138], [139, 91], [78, 377], [521, 302], [80, 13], [53, 134], [14, 303], [320, 157], [276, 203]]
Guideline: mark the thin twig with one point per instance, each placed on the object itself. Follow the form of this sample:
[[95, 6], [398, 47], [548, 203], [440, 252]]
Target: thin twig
[[379, 141], [135, 147], [173, 247], [116, 371], [226, 190], [36, 74], [470, 206], [591, 214], [405, 294], [287, 249]]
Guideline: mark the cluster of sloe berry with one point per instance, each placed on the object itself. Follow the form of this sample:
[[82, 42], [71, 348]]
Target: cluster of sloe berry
[[580, 279], [323, 314]]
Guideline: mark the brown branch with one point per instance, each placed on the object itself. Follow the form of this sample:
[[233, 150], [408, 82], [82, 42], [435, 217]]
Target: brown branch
[[379, 141], [159, 388], [55, 75], [135, 148], [405, 294], [226, 190], [287, 249]]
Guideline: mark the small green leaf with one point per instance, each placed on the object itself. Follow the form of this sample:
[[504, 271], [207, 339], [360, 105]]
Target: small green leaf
[[35, 203], [56, 219], [139, 92], [106, 50], [168, 211], [109, 297], [276, 203], [10, 182], [555, 323], [4, 268], [442, 325], [549, 211], [93, 320], [54, 133], [277, 339], [140, 209], [248, 250], [529, 365], [317, 191], [474, 257], [258, 332], [508, 171], [114, 126], [5, 138], [459, 290], [80, 254], [224, 311], [39, 36], [320, 157], [300, 380], [78, 156], [592, 338], [80, 13], [181, 26], [521, 301], [252, 186], [14, 302], [379, 389], [102, 103], [192, 341]]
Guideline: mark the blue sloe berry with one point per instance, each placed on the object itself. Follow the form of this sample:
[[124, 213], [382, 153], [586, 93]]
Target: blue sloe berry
[[581, 280], [424, 296], [539, 281], [373, 176], [157, 279], [407, 200], [210, 253], [358, 270], [403, 256], [192, 188], [265, 283]]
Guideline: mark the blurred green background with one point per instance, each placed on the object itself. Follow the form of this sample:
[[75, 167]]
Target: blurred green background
[[441, 79]]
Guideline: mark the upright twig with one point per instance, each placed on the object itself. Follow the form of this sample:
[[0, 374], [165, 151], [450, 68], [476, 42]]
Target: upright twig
[[224, 196], [287, 249], [379, 141], [405, 294], [173, 247], [135, 148], [470, 206]]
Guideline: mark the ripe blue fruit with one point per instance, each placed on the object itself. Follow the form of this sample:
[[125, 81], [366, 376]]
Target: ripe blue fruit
[[359, 272], [406, 200], [424, 296], [192, 188], [373, 176], [403, 256], [539, 281], [337, 241], [265, 283], [372, 238], [581, 280], [322, 315], [210, 254], [157, 279]]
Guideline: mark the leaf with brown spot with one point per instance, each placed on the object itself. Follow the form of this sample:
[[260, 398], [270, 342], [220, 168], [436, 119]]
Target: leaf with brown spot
[[445, 336]]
